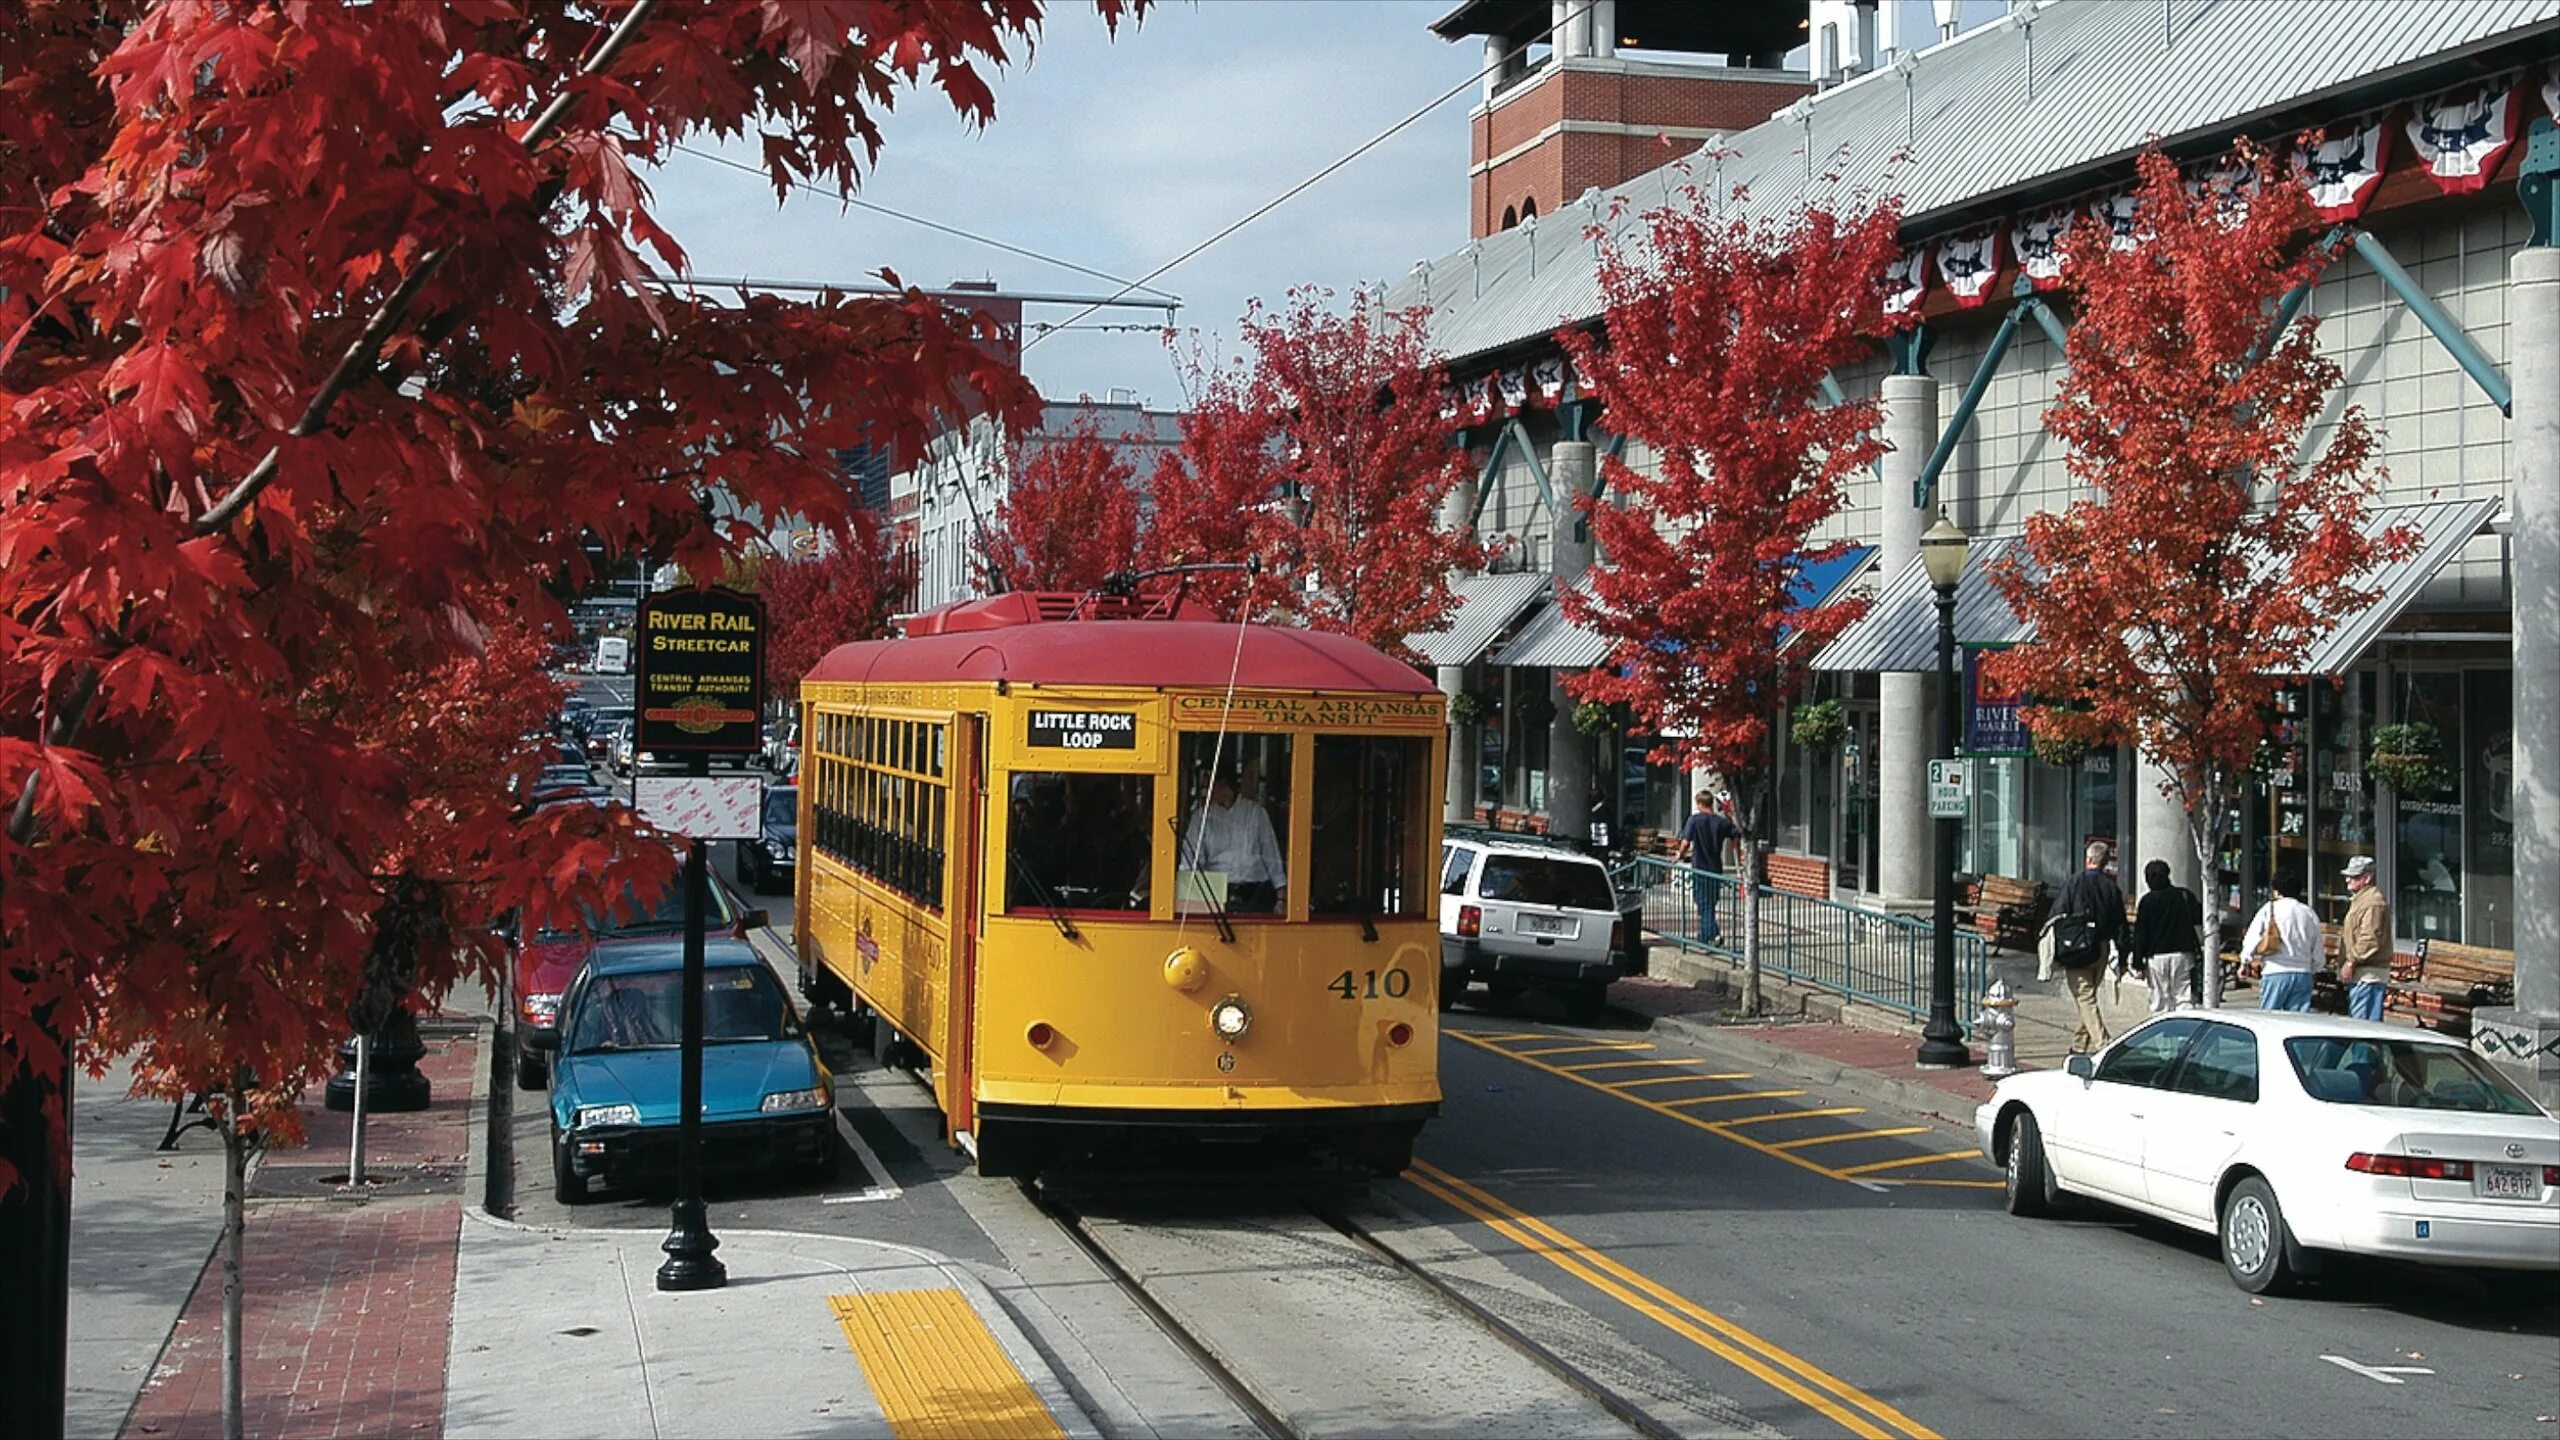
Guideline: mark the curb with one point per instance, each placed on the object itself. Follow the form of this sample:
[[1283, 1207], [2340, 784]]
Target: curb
[[1911, 1096]]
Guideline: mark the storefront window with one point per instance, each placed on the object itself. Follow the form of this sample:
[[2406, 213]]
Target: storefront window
[[1235, 823], [2096, 811], [1995, 836], [1369, 825], [2489, 783], [1079, 842], [2427, 829], [1528, 741], [2341, 795], [1791, 828]]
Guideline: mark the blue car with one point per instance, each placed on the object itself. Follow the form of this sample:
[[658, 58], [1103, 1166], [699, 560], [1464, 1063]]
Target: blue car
[[767, 1101]]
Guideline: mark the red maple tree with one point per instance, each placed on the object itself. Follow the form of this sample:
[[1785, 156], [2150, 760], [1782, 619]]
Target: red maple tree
[[1070, 517], [298, 413], [2209, 551], [1323, 458], [1714, 337], [852, 592]]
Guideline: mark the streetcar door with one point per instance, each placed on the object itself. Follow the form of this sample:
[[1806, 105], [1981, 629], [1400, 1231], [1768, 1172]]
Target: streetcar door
[[966, 838]]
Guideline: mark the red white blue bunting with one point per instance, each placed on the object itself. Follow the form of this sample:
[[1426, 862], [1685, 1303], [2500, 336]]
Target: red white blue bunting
[[1513, 387], [2460, 135], [1547, 378], [2118, 212], [2342, 170], [1906, 283], [2037, 242], [1969, 266]]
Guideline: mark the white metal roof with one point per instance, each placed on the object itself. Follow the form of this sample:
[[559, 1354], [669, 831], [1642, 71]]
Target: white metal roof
[[1487, 604]]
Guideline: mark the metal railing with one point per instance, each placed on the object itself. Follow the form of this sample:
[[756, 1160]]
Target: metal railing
[[1863, 954]]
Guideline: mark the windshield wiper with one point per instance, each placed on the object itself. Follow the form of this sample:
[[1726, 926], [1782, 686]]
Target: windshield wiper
[[1048, 901], [1217, 906]]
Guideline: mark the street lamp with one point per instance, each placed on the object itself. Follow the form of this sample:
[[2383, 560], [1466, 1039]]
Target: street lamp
[[1942, 554]]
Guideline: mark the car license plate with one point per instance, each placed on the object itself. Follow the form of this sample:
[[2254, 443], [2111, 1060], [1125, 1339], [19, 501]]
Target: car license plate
[[2510, 1182], [1561, 926]]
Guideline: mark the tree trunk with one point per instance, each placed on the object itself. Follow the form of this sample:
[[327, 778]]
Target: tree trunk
[[235, 1172], [2200, 829], [355, 1129], [1749, 881]]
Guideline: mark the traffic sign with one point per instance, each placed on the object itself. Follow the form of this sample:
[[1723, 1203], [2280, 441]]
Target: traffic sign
[[701, 672], [1949, 791]]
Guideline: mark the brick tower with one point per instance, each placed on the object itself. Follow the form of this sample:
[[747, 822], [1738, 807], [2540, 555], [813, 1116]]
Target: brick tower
[[1596, 106]]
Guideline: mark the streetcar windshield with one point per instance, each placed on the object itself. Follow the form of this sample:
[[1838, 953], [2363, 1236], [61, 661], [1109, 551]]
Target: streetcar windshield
[[1079, 842], [1235, 824], [1370, 824]]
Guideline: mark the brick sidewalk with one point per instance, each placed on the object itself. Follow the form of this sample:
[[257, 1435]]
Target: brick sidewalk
[[347, 1305]]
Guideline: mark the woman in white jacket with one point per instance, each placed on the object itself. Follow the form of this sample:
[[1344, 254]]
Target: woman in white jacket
[[2285, 938]]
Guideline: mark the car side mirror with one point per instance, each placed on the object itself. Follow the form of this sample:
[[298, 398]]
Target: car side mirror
[[753, 920], [542, 1040], [2081, 1065]]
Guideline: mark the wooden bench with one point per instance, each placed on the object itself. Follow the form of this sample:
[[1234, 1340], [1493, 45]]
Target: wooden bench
[[2448, 980], [2006, 910]]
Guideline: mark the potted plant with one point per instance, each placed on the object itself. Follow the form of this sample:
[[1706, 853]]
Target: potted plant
[[2409, 758], [1591, 718], [1820, 727], [1467, 707], [1536, 711], [2057, 751]]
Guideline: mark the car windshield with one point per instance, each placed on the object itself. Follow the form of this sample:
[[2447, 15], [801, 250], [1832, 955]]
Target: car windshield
[[741, 1004], [627, 916], [782, 806], [1539, 880], [2402, 1075]]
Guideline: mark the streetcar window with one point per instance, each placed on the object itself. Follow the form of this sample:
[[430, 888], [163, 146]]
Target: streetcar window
[[1235, 824], [1079, 842], [1370, 823]]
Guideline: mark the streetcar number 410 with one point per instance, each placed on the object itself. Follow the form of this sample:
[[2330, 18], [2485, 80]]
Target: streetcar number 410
[[1370, 984]]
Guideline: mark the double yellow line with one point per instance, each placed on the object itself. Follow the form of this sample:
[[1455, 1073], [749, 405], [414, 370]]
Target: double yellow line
[[1851, 1408]]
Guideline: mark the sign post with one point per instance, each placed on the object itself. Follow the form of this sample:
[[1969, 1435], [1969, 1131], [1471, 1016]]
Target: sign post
[[699, 692]]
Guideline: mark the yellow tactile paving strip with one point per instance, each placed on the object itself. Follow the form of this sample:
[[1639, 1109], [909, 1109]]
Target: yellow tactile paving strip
[[937, 1371]]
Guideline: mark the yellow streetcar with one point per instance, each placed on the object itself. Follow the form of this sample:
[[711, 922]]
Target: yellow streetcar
[[1112, 872]]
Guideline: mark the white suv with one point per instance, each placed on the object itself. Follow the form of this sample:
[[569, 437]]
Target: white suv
[[1517, 913]]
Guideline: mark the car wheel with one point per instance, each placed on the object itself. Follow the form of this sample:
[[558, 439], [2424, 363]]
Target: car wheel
[[1502, 989], [2254, 1239], [1585, 1003], [2029, 1186], [567, 1185], [532, 1071]]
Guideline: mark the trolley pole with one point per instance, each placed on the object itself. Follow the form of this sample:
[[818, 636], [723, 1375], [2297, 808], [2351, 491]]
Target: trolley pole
[[690, 1263]]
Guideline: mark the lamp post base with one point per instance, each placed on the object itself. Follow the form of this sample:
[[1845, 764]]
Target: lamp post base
[[1942, 1046], [690, 1264]]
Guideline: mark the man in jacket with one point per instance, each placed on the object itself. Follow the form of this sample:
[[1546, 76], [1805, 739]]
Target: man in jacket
[[2164, 937], [2364, 942], [2088, 921], [2285, 938]]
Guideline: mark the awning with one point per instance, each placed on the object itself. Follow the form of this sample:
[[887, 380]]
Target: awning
[[1552, 641], [1900, 631], [1487, 604]]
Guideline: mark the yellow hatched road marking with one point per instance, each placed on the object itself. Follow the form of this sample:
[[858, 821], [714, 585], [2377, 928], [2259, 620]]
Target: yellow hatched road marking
[[1738, 1095], [1783, 1371], [1590, 1065], [937, 1370], [1912, 1160], [1612, 1047], [1506, 1035], [1791, 1115], [1677, 1079], [1812, 1140], [1951, 1184], [1667, 1109]]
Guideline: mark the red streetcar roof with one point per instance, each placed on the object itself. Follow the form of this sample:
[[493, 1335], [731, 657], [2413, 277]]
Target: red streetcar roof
[[1179, 653]]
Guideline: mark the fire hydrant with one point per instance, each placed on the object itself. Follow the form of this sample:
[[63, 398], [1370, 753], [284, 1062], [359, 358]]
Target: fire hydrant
[[1999, 1027]]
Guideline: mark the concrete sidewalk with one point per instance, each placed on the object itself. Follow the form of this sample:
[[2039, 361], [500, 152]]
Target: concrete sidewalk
[[143, 1222], [563, 1333]]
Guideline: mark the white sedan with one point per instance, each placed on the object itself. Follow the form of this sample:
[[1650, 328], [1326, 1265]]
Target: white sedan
[[2290, 1134]]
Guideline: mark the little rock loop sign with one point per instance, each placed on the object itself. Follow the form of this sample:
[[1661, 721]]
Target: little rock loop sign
[[701, 672]]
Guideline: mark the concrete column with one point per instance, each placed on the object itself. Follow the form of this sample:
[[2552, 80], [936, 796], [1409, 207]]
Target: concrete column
[[2526, 1037], [2160, 832], [1572, 467], [1497, 52], [1907, 702], [1571, 34], [1604, 29], [1458, 792]]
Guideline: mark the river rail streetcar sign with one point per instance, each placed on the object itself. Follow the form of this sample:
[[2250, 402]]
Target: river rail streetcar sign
[[701, 672]]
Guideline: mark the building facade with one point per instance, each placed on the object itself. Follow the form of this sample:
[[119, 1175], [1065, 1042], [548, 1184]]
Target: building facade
[[2439, 306]]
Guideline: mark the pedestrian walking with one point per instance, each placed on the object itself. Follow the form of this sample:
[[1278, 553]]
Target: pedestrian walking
[[2364, 942], [1702, 849], [2165, 926], [2088, 922], [2284, 936]]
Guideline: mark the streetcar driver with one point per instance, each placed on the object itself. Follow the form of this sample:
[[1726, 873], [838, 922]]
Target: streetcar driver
[[1232, 836]]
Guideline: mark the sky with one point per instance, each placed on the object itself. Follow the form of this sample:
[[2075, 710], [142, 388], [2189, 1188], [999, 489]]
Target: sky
[[1120, 154]]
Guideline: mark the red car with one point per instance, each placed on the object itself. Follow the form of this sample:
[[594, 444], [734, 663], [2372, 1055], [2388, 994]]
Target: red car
[[548, 960]]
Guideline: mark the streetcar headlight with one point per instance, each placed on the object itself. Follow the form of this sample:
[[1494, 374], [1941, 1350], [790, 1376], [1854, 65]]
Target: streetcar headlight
[[1231, 1017]]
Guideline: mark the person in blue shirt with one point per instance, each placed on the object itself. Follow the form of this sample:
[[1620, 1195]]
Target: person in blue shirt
[[1702, 848]]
